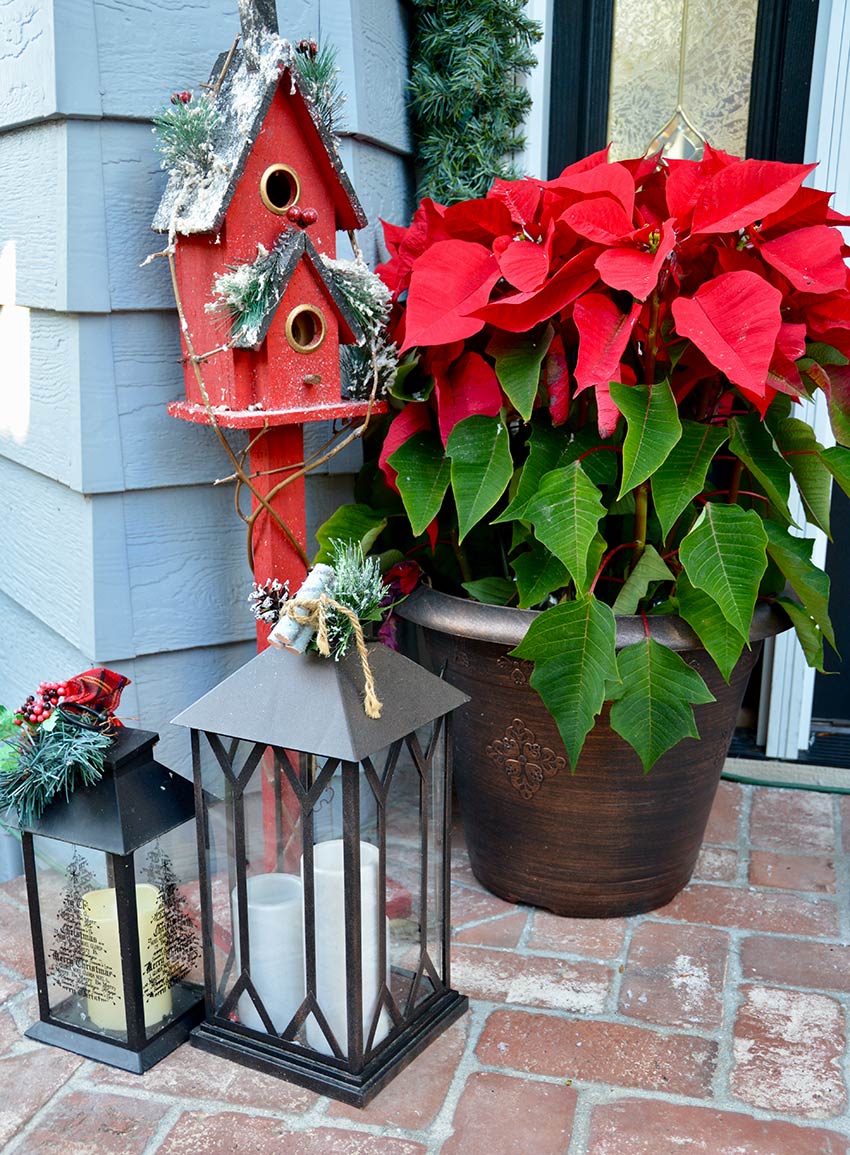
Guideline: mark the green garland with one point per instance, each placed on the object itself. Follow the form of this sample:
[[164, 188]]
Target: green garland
[[184, 133], [465, 95], [55, 758], [320, 76], [357, 584]]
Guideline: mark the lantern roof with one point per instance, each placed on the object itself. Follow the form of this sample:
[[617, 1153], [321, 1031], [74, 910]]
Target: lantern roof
[[290, 247], [135, 801], [314, 704], [196, 201]]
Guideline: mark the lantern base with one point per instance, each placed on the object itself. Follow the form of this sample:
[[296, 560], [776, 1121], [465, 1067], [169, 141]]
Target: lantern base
[[309, 1069], [113, 1054]]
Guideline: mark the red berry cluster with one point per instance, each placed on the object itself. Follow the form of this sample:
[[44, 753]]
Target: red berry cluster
[[39, 706], [308, 48], [302, 217], [181, 97]]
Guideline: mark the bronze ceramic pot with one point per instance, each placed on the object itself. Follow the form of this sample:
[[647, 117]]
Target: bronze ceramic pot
[[606, 840]]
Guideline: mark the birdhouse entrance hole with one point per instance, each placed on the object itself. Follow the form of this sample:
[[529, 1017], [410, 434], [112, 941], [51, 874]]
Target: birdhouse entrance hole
[[305, 328], [280, 188]]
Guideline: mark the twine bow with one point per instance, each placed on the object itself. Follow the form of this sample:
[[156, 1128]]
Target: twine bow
[[312, 612]]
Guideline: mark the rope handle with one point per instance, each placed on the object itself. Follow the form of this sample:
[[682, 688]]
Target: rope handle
[[312, 612]]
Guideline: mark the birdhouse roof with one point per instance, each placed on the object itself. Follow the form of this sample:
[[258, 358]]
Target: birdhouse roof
[[314, 704], [196, 201], [290, 248]]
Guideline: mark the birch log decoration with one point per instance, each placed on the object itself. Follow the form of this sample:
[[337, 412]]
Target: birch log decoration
[[291, 634]]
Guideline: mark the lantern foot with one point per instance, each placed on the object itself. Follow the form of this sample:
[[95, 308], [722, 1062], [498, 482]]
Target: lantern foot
[[325, 1077], [115, 1054]]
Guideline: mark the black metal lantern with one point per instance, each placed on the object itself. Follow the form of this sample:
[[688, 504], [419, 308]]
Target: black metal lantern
[[108, 875], [324, 841]]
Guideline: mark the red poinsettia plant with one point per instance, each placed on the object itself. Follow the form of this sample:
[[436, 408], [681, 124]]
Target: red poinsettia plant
[[601, 410]]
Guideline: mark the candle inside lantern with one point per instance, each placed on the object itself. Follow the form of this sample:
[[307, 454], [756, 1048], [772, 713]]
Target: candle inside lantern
[[102, 958], [276, 948], [331, 982]]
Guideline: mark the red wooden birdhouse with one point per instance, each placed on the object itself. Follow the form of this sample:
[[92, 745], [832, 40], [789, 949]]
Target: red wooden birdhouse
[[262, 213]]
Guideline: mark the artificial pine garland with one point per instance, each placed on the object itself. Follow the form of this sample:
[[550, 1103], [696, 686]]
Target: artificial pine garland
[[184, 133], [55, 758], [465, 97], [359, 585], [247, 292], [320, 80]]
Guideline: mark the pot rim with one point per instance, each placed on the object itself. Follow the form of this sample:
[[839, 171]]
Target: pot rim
[[507, 626]]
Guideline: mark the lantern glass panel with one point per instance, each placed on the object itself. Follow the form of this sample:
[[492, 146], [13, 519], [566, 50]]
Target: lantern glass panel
[[167, 901], [80, 955]]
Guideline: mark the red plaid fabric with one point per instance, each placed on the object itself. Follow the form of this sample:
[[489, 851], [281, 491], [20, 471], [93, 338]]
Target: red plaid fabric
[[98, 689]]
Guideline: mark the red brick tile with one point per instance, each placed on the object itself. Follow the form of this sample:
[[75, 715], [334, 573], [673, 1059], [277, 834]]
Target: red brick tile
[[501, 976], [787, 1050], [844, 805], [792, 820], [15, 940], [414, 1097], [229, 1134], [188, 1073], [775, 913], [35, 1080], [717, 864], [649, 1127], [595, 937], [82, 1123], [470, 905], [504, 931], [675, 975], [792, 871], [10, 1036], [818, 965], [722, 826], [500, 1115], [598, 1052]]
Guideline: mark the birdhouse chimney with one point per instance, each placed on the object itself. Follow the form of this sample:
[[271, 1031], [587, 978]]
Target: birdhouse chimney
[[255, 16]]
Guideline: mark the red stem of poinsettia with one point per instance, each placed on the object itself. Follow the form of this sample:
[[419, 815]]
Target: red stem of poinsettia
[[645, 623], [606, 559], [735, 483], [703, 497], [597, 448], [651, 340]]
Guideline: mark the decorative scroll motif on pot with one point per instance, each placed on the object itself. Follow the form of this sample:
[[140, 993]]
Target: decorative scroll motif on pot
[[526, 763], [515, 669]]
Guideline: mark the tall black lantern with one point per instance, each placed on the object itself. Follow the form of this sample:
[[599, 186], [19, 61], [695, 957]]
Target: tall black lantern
[[324, 840], [113, 911]]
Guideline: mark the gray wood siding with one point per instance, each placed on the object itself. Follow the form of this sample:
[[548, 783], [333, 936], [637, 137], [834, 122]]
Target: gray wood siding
[[118, 549]]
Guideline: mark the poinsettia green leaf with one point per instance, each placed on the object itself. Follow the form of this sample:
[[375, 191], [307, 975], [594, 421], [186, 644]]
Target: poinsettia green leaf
[[423, 476], [518, 357], [652, 428], [725, 554], [355, 523], [481, 467], [410, 383], [653, 708], [808, 633], [825, 354], [837, 461], [797, 443], [538, 574], [496, 591], [701, 612], [681, 476], [548, 450], [751, 442], [837, 390], [793, 556], [565, 513], [649, 568], [572, 647]]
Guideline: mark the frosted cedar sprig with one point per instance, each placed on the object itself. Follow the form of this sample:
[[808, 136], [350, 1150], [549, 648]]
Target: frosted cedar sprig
[[185, 131], [246, 292], [51, 761], [320, 78]]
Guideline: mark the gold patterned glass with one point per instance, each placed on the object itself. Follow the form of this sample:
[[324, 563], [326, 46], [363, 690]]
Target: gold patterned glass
[[718, 61]]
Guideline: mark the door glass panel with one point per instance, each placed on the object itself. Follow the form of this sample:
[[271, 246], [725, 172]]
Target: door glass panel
[[645, 71]]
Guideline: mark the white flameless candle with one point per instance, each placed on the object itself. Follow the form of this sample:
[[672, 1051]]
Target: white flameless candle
[[102, 958], [331, 985], [276, 948]]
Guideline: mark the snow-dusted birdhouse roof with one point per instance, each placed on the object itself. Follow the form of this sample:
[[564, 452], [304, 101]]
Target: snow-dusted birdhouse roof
[[290, 248], [196, 201]]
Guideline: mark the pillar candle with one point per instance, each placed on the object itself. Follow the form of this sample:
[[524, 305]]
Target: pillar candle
[[276, 948], [331, 987], [102, 958]]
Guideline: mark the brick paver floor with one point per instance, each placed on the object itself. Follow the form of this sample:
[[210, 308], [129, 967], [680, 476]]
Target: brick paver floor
[[715, 1026]]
